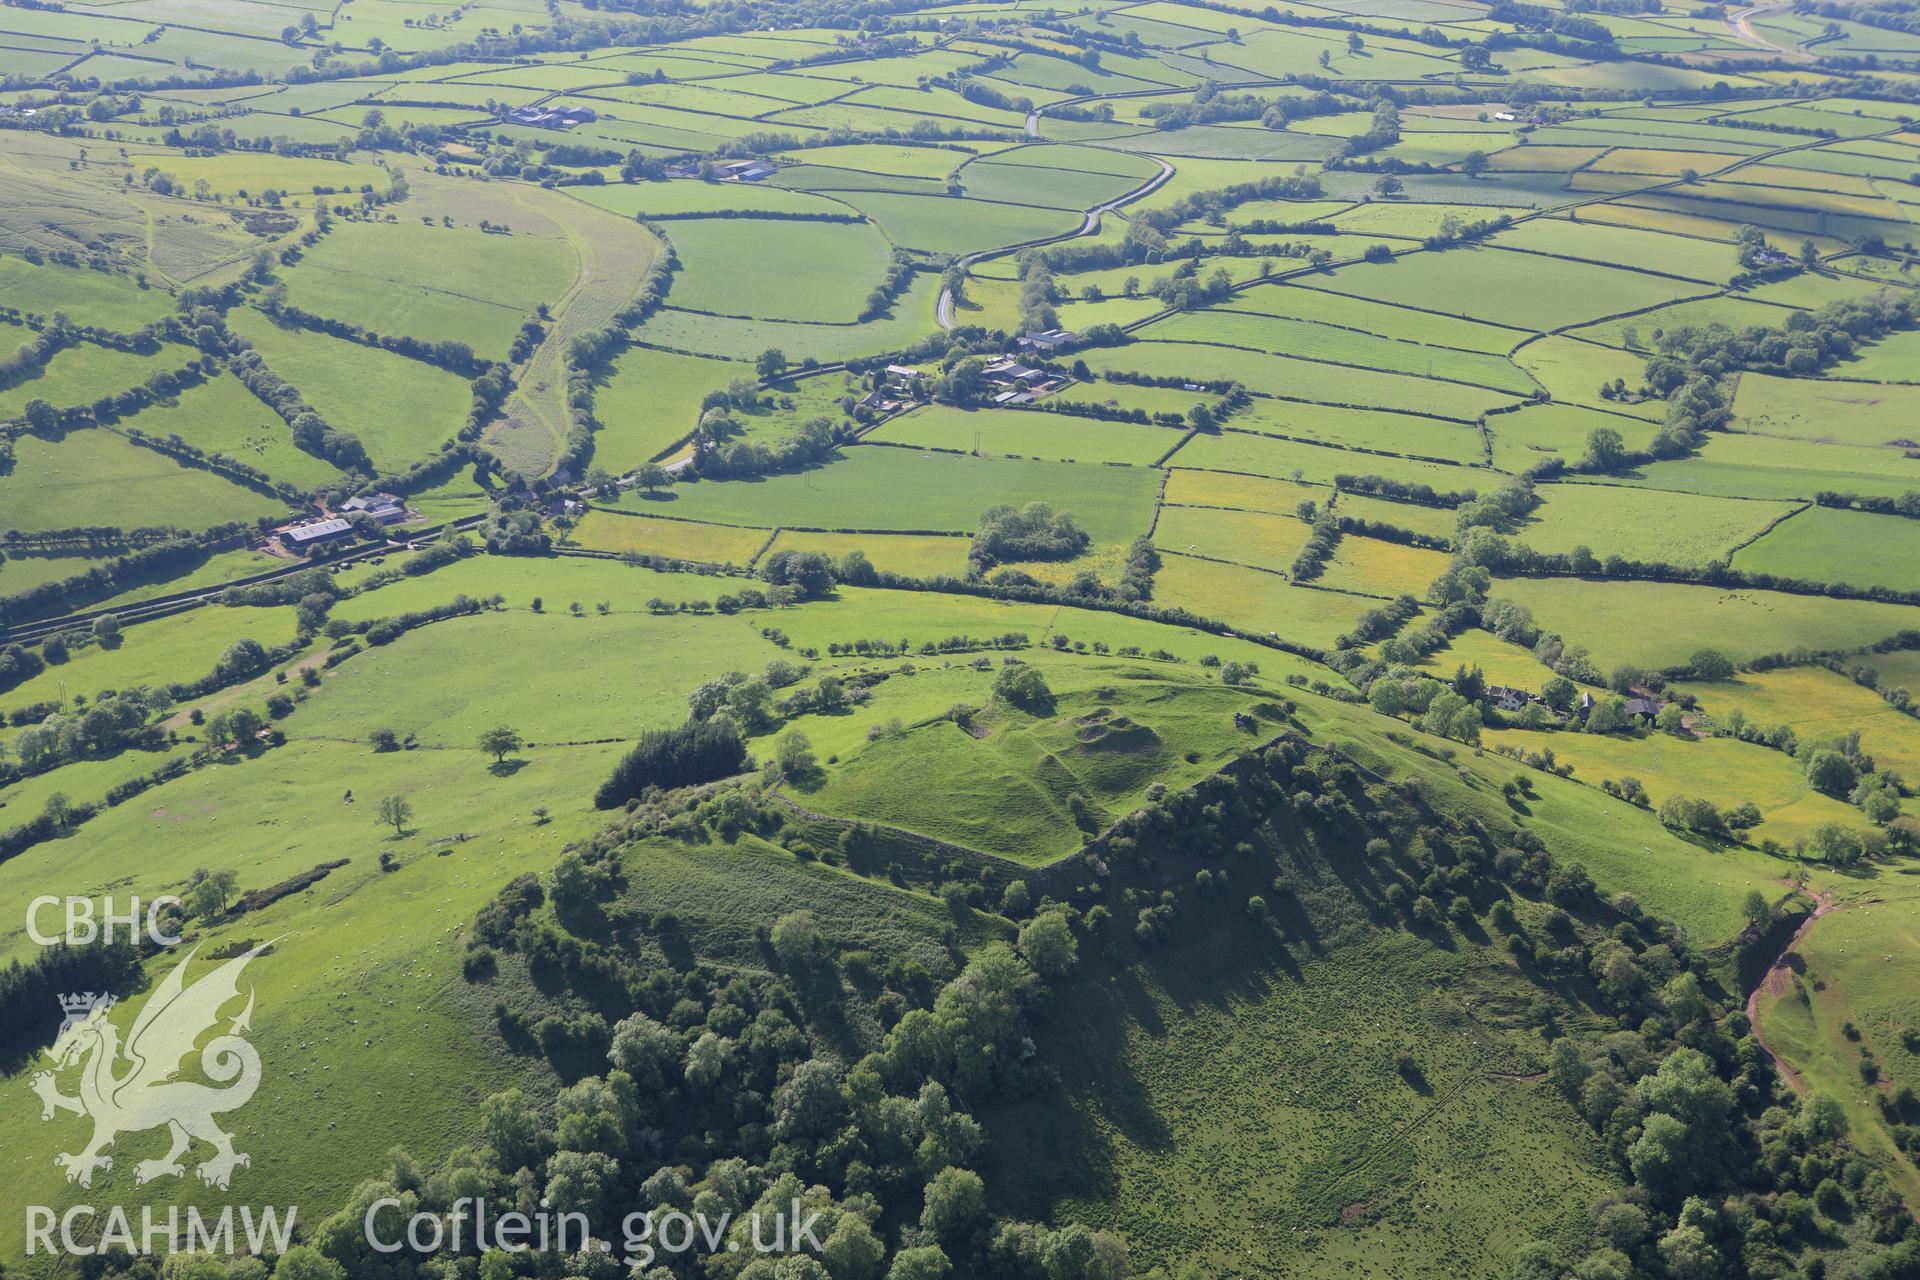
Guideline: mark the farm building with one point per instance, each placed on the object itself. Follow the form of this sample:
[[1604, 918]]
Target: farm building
[[385, 508], [563, 118], [905, 378], [302, 538], [1008, 373], [1052, 339], [747, 170], [1019, 383]]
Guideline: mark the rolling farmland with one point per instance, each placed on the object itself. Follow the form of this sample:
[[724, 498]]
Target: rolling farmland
[[1161, 640]]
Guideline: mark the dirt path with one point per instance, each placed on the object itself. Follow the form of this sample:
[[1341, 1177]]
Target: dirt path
[[1777, 981], [613, 255]]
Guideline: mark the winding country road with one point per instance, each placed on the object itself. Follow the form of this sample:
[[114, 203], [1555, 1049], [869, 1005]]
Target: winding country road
[[1741, 20], [1089, 225]]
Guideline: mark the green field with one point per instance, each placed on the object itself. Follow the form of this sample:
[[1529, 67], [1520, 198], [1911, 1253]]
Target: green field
[[1723, 770], [184, 646], [678, 199], [1732, 310], [432, 283], [1647, 251], [1499, 661], [1301, 379], [1240, 491], [1471, 282], [904, 161], [728, 337], [651, 400], [678, 539], [26, 568], [1826, 412], [1433, 522], [1320, 464], [817, 271], [1307, 340], [1261, 602], [95, 477], [1851, 995], [1540, 431], [240, 175], [1017, 434], [1038, 183], [911, 555], [1573, 371], [1818, 703], [910, 489], [1657, 624], [1825, 545], [550, 701], [1244, 537], [87, 297], [356, 388], [1374, 317], [558, 582], [920, 617], [1372, 429], [80, 375], [222, 416], [1371, 566], [1891, 359], [1645, 524], [1738, 465], [939, 224]]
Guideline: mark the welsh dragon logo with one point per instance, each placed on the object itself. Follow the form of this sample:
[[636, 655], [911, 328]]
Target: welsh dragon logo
[[126, 1089]]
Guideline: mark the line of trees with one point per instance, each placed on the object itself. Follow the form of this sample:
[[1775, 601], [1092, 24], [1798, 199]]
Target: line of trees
[[1401, 490], [158, 560], [453, 356], [312, 433], [1294, 186], [1907, 504], [899, 275], [1320, 544], [589, 354]]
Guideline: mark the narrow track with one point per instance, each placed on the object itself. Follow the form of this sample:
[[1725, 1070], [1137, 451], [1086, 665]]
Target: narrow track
[[1741, 21], [1089, 225]]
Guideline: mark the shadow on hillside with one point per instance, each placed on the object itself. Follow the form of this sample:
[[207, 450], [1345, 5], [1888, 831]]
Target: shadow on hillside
[[1059, 1143]]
